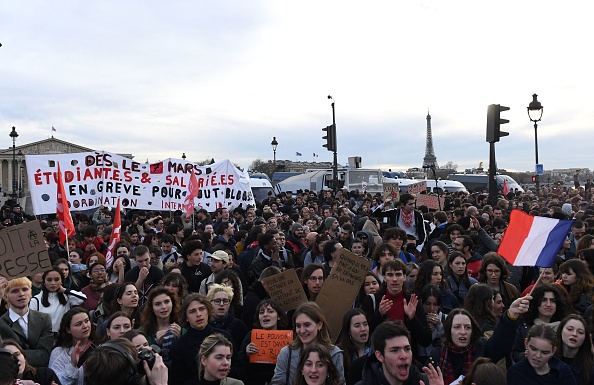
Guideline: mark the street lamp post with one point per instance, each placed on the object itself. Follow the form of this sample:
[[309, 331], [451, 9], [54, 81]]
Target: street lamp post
[[14, 135], [535, 114], [274, 144], [20, 156]]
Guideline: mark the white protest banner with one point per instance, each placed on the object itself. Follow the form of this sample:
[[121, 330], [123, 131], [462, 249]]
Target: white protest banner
[[418, 187], [94, 179]]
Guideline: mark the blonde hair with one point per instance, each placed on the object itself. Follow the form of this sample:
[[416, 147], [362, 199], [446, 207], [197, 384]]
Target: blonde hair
[[207, 346], [22, 281], [216, 288]]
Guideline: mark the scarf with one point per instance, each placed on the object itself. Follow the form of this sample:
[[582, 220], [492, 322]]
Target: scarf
[[552, 325], [446, 364], [407, 218]]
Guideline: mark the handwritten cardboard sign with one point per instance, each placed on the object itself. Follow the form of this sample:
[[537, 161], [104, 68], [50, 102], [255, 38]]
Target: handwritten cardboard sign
[[415, 188], [341, 288], [286, 289], [391, 190], [269, 344], [23, 251], [430, 201]]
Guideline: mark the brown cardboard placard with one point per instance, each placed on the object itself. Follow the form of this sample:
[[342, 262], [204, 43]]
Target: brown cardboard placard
[[286, 289], [269, 344], [341, 288], [418, 187], [391, 190], [430, 201], [23, 251]]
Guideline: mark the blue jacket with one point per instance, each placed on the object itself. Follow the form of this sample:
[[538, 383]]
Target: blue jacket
[[523, 373]]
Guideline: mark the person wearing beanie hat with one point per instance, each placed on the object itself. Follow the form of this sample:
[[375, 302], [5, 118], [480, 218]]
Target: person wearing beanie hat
[[295, 238], [331, 227], [218, 262]]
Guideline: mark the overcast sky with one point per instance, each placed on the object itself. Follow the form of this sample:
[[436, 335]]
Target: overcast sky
[[221, 78]]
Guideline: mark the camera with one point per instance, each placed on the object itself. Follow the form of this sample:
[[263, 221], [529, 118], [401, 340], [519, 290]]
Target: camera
[[148, 355]]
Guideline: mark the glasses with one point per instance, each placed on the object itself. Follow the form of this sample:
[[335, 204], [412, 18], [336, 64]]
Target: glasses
[[99, 271], [493, 272], [316, 279], [221, 301]]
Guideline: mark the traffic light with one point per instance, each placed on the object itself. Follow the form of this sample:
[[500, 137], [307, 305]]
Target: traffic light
[[494, 121], [330, 137], [534, 178]]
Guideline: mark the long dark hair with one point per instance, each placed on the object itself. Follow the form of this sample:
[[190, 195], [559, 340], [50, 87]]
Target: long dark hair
[[479, 303], [349, 350], [64, 338], [324, 354], [465, 279], [148, 320], [425, 275], [45, 293], [116, 306], [447, 327], [538, 294], [583, 359], [28, 368], [282, 322]]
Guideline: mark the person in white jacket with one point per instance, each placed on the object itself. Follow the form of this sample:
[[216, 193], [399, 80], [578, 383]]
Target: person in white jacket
[[54, 299]]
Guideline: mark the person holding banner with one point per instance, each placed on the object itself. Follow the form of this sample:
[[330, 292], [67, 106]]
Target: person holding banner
[[270, 317], [310, 328]]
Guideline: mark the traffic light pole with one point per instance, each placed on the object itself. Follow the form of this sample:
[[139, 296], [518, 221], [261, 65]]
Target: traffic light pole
[[492, 175], [335, 164]]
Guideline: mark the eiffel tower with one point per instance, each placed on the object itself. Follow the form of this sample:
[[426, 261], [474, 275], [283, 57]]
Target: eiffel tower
[[429, 159]]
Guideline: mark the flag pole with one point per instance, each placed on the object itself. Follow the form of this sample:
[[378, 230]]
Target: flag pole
[[536, 283]]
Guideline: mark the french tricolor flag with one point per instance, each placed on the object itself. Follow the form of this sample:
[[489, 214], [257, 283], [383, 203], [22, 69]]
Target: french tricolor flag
[[533, 241]]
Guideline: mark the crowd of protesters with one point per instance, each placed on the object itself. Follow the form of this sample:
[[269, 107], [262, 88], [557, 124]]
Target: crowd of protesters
[[439, 305]]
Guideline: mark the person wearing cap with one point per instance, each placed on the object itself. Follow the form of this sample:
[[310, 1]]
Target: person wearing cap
[[18, 216], [218, 262]]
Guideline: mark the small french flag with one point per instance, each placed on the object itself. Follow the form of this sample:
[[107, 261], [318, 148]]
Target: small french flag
[[53, 129], [315, 155], [533, 241], [297, 153]]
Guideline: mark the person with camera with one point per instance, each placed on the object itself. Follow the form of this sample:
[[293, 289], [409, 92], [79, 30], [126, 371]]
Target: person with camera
[[73, 344], [117, 363]]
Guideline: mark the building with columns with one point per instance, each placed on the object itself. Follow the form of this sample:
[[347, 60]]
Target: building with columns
[[15, 174]]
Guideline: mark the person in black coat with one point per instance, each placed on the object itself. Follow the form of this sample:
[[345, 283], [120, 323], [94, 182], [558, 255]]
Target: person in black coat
[[41, 375], [254, 295], [392, 302]]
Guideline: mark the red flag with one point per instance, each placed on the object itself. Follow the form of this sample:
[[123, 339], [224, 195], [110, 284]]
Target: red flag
[[191, 194], [115, 236], [505, 188], [67, 229]]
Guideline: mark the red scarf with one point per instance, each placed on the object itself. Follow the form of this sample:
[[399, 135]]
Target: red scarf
[[445, 362], [396, 312], [407, 218]]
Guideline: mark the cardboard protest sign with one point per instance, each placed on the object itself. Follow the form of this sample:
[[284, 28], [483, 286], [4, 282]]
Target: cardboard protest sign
[[269, 344], [93, 179], [341, 288], [23, 251], [391, 190], [286, 289], [418, 187], [430, 201]]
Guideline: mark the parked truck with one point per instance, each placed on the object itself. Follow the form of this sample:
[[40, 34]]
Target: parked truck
[[369, 180]]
